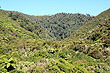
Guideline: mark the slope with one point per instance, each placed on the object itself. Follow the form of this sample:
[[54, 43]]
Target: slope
[[11, 32], [83, 31], [22, 52], [61, 25]]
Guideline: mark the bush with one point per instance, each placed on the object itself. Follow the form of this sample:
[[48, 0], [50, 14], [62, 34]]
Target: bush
[[95, 54], [16, 71], [8, 64], [78, 47], [62, 55], [41, 53], [15, 54], [37, 70]]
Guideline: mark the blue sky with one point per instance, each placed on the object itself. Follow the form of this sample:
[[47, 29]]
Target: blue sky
[[50, 7]]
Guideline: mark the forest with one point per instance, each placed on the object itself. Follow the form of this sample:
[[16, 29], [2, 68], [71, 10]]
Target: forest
[[60, 43]]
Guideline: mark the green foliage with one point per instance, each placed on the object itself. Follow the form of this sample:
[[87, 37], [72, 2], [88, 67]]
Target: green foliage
[[59, 26], [95, 54], [8, 65], [15, 54], [41, 53], [26, 66], [52, 50], [16, 71], [62, 65], [22, 50], [90, 28], [37, 70]]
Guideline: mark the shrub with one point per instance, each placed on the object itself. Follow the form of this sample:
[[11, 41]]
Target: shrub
[[95, 54], [78, 47], [8, 64], [37, 70]]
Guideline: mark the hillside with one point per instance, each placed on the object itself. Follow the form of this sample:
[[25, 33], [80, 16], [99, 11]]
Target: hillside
[[12, 33], [61, 25], [54, 27], [83, 32], [23, 51]]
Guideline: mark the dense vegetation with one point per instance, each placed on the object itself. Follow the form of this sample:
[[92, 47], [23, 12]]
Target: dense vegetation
[[22, 50], [82, 32], [54, 27], [61, 25]]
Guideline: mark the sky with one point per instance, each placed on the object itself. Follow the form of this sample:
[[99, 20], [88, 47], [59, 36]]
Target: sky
[[51, 7]]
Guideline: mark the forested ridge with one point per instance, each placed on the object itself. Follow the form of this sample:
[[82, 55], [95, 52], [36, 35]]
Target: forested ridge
[[60, 43], [60, 25]]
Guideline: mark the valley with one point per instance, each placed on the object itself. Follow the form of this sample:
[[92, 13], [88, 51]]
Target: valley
[[60, 43]]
